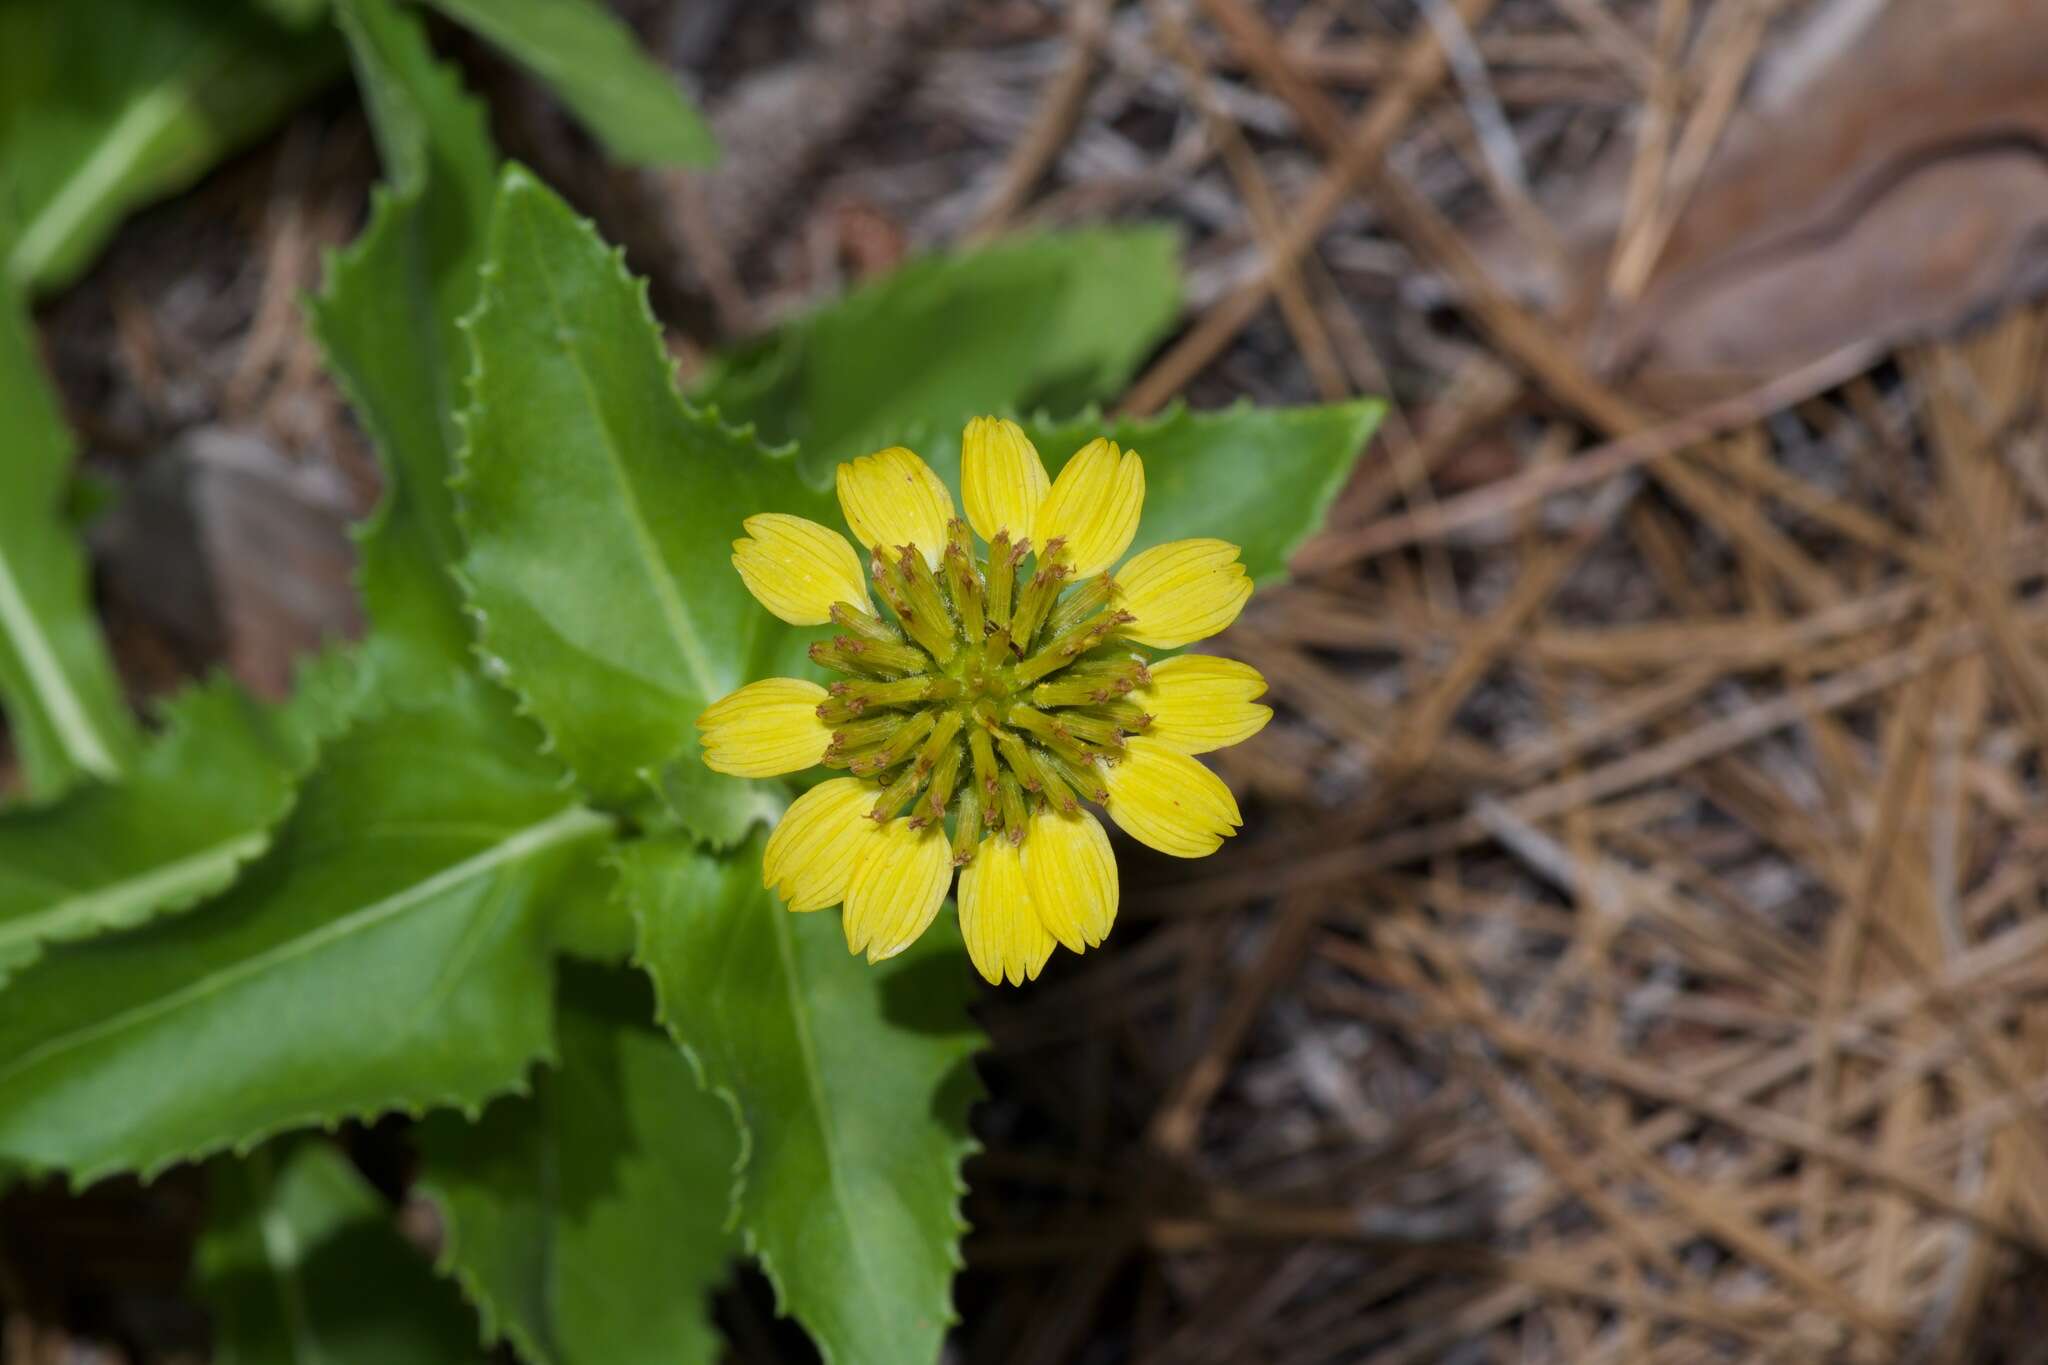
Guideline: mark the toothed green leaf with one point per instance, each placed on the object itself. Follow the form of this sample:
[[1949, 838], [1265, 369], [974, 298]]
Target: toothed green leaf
[[200, 803], [600, 513], [388, 321], [391, 952], [57, 687], [108, 106], [302, 1265], [1052, 321], [593, 63], [588, 1222], [853, 1083]]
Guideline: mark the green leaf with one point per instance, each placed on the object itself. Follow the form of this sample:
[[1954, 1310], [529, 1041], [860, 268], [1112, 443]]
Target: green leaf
[[201, 802], [1262, 478], [588, 1223], [388, 321], [301, 1265], [56, 683], [108, 106], [391, 952], [852, 1081], [600, 513], [1051, 321], [592, 62]]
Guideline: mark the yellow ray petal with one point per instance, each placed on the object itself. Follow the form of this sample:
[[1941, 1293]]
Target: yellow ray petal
[[1093, 507], [1199, 702], [891, 498], [1003, 933], [1168, 801], [1182, 591], [798, 569], [765, 729], [1070, 871], [811, 855], [1002, 480], [897, 888]]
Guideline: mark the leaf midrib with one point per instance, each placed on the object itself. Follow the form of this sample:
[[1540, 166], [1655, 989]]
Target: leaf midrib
[[681, 628], [814, 1088], [559, 828]]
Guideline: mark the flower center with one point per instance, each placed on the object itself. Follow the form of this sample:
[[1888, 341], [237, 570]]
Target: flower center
[[997, 690]]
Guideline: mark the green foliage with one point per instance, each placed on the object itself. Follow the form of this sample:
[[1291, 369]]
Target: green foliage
[[56, 684], [387, 954], [587, 1223], [853, 1083], [201, 801], [388, 321], [1052, 321], [109, 105], [599, 512], [589, 59], [301, 1265], [1261, 478]]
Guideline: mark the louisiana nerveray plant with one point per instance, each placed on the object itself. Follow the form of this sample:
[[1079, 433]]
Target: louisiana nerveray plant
[[1005, 687]]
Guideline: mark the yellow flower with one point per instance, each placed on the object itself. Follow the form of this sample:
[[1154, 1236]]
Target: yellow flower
[[998, 695]]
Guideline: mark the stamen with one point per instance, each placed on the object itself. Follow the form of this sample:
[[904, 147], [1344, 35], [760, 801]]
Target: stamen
[[1037, 599], [895, 796], [931, 807], [1003, 559], [1092, 728], [862, 734], [1058, 794], [929, 621], [1011, 794], [1083, 778], [1098, 680], [859, 694], [1078, 606], [1064, 649], [963, 584], [1128, 716], [866, 625], [995, 650], [874, 658], [901, 746], [984, 751], [944, 731], [1018, 757], [967, 826]]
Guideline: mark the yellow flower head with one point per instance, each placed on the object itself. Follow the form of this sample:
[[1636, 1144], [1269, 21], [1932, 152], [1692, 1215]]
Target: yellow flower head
[[998, 697]]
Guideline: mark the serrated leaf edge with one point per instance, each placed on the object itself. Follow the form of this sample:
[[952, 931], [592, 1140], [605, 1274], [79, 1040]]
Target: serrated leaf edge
[[968, 1147]]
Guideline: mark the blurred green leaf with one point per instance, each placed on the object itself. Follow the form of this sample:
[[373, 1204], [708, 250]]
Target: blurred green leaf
[[1053, 321], [57, 685], [587, 1224], [600, 513], [391, 952], [301, 1265], [388, 321], [110, 105], [295, 13], [200, 802], [853, 1083], [592, 61]]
